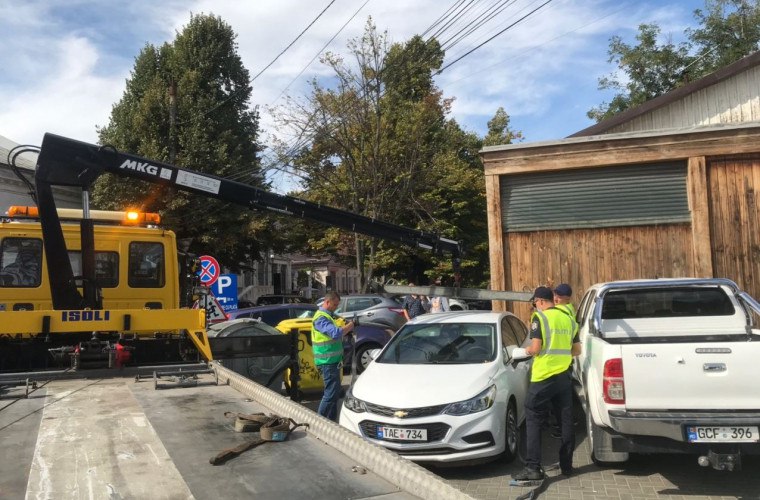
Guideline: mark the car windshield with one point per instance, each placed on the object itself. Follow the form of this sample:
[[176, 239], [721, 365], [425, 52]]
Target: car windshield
[[449, 343], [308, 313]]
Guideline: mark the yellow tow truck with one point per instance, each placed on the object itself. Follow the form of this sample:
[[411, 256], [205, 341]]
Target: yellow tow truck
[[100, 279]]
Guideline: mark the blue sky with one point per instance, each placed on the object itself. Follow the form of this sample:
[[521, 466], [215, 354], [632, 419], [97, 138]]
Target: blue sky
[[65, 62]]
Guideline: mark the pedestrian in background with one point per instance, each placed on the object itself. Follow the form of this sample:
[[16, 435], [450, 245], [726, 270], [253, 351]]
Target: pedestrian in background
[[554, 342], [327, 344], [414, 305], [563, 299], [438, 303]]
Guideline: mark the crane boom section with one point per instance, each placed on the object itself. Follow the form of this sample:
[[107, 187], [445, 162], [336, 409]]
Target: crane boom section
[[67, 162]]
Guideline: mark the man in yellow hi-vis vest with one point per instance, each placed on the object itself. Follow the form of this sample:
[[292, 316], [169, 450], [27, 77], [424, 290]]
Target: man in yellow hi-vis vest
[[563, 299], [327, 344], [554, 341]]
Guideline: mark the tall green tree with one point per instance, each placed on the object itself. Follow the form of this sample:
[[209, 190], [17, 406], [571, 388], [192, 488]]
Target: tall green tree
[[499, 130], [727, 31], [188, 103], [650, 68], [380, 144]]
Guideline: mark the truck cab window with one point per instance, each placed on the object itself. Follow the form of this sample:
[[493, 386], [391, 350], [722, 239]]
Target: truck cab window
[[106, 267], [146, 265], [20, 262]]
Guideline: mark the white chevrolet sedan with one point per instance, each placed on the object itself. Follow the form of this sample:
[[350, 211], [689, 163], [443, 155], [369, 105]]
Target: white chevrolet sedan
[[444, 389]]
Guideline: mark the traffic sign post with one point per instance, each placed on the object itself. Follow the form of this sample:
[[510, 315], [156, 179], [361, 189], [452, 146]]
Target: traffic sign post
[[225, 291], [209, 271]]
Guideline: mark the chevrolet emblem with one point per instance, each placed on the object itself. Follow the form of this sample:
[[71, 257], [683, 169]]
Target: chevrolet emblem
[[400, 413]]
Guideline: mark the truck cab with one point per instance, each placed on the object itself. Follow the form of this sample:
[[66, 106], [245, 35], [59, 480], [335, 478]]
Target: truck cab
[[136, 262]]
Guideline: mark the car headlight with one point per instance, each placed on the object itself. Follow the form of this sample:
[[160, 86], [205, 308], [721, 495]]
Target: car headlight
[[354, 404], [481, 402]]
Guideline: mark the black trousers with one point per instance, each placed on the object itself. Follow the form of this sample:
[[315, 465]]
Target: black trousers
[[555, 393]]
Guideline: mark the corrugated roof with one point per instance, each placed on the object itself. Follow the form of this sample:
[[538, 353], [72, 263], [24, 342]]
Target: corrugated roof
[[743, 64]]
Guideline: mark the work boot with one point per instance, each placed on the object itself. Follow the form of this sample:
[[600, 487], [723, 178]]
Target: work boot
[[529, 474]]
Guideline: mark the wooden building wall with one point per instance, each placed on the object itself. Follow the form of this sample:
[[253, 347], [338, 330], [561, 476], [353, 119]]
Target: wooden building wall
[[733, 186], [583, 257], [721, 240]]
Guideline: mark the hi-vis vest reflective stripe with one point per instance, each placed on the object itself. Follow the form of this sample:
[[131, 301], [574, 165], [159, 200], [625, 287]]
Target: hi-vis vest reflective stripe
[[557, 332], [327, 350]]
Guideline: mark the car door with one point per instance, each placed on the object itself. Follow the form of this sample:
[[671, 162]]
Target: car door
[[514, 334]]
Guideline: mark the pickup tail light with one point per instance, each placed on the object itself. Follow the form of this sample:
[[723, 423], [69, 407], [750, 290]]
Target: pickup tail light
[[613, 385]]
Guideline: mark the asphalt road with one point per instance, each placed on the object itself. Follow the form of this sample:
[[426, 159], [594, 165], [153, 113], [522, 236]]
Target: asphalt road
[[642, 477]]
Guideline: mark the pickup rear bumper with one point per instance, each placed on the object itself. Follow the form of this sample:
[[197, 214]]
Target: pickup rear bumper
[[671, 425]]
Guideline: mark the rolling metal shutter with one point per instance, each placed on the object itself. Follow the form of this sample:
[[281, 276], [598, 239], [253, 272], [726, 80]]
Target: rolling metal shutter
[[600, 197]]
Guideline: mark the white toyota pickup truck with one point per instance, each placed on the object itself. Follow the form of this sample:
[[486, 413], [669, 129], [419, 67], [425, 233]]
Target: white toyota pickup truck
[[670, 366]]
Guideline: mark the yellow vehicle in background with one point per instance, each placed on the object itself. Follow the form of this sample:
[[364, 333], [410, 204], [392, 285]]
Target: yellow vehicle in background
[[310, 377]]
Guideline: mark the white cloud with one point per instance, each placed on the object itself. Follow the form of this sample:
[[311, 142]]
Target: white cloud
[[65, 61]]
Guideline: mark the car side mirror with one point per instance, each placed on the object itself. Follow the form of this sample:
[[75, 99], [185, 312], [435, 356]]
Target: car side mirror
[[520, 354]]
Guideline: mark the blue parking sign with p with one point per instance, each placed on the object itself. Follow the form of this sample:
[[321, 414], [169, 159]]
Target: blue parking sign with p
[[225, 291]]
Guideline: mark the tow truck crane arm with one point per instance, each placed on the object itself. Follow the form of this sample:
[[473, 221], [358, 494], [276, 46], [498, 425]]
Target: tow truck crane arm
[[68, 162]]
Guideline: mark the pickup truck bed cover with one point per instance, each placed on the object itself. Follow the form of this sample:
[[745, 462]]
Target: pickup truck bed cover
[[116, 438]]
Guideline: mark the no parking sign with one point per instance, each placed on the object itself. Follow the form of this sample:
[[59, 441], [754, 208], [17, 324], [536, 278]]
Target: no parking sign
[[209, 271]]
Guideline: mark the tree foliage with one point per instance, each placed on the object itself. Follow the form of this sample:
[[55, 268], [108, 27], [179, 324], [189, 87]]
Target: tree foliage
[[728, 30], [380, 144], [187, 103], [650, 68], [499, 131]]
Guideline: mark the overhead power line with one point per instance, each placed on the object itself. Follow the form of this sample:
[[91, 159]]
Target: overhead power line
[[494, 36], [321, 50], [294, 40]]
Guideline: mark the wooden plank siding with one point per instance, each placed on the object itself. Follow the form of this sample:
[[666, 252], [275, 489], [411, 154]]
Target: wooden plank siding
[[497, 252], [582, 257], [700, 216], [734, 182], [721, 240]]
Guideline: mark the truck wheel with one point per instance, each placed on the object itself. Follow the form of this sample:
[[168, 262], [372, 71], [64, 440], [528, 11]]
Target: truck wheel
[[600, 444], [512, 433]]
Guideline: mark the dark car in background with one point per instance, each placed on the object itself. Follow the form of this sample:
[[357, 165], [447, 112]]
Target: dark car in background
[[371, 307], [266, 300], [273, 314]]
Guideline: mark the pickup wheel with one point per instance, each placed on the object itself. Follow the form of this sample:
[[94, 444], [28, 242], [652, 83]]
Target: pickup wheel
[[595, 436], [512, 433]]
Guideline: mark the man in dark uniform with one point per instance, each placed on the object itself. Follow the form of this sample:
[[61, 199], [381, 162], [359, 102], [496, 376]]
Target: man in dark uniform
[[554, 341]]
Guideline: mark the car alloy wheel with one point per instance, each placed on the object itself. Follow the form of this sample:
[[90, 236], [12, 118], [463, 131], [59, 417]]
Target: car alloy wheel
[[512, 433], [363, 358]]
